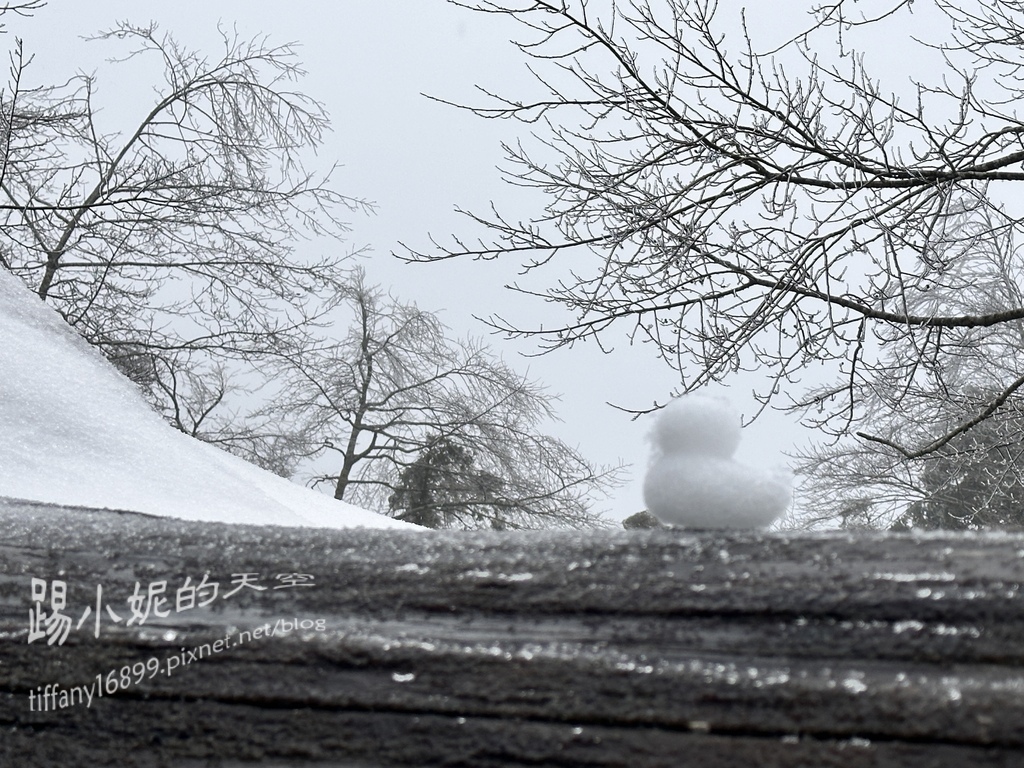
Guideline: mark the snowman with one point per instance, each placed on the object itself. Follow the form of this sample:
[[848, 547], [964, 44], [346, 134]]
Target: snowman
[[694, 482]]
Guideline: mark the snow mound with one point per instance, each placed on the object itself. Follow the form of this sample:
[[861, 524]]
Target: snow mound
[[693, 481], [705, 426], [74, 431]]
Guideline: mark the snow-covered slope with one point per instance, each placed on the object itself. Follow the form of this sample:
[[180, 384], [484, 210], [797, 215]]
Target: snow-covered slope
[[74, 431]]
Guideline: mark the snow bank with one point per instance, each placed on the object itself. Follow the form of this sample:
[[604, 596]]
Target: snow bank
[[74, 431]]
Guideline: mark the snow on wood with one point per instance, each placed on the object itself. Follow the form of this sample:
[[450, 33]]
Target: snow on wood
[[646, 648]]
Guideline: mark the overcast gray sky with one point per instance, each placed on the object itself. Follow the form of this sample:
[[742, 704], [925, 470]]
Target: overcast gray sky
[[369, 62]]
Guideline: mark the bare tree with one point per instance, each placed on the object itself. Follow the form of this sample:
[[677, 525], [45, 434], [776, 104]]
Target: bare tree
[[10, 112], [396, 389], [170, 244], [208, 402], [969, 469], [741, 203]]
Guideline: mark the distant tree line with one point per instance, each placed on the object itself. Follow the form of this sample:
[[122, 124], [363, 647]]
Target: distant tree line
[[171, 245]]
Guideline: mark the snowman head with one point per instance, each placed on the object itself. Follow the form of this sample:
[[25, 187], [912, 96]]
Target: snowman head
[[699, 425]]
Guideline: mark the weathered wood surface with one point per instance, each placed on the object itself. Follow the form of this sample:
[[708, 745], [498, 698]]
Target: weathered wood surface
[[640, 648]]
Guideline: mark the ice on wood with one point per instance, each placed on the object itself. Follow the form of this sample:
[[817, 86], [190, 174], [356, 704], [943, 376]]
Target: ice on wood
[[693, 479], [74, 431]]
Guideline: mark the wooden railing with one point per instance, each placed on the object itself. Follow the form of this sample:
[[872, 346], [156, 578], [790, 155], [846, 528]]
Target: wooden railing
[[631, 648]]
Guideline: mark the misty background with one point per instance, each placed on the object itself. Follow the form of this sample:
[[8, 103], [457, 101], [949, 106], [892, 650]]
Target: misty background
[[373, 64]]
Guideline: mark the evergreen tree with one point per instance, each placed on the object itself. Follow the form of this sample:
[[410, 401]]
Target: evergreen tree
[[443, 489], [977, 484]]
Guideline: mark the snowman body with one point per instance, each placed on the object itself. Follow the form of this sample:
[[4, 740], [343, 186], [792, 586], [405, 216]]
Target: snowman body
[[694, 481]]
